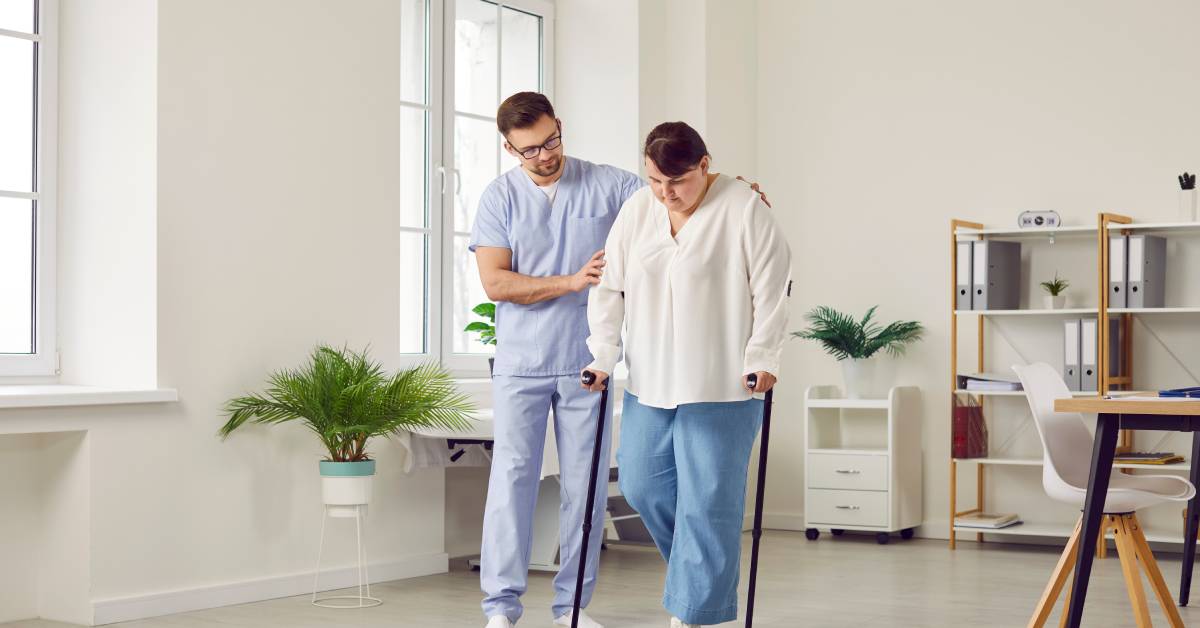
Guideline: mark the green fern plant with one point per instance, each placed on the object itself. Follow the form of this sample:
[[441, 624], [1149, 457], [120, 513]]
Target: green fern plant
[[845, 337], [346, 400], [1055, 287], [486, 331]]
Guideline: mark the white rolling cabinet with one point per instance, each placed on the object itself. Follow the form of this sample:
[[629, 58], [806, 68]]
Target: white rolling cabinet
[[862, 463]]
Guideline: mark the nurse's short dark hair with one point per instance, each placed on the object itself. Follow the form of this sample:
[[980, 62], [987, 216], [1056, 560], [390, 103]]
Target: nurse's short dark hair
[[522, 110], [675, 148]]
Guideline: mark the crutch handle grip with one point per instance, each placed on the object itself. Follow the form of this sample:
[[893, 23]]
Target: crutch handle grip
[[752, 380], [588, 378]]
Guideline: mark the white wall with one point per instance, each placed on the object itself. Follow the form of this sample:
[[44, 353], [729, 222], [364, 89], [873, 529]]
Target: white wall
[[276, 219], [878, 122], [596, 82], [18, 527], [107, 186]]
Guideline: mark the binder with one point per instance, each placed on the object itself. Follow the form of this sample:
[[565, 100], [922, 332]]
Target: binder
[[1118, 287], [996, 275], [1088, 336], [1116, 353], [1071, 354], [1147, 270], [962, 298]]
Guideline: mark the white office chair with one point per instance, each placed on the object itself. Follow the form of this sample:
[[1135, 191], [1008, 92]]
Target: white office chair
[[1067, 465]]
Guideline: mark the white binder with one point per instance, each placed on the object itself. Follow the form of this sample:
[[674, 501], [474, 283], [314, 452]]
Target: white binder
[[1089, 375], [962, 298], [1118, 287], [1147, 271], [1071, 354]]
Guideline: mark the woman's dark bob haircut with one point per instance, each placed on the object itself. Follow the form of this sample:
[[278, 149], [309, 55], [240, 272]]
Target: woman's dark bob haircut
[[675, 148]]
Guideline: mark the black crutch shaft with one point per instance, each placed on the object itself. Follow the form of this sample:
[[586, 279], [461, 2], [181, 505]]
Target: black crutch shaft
[[587, 378], [752, 380]]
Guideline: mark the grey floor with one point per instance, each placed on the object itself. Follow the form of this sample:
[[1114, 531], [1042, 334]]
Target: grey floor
[[828, 583]]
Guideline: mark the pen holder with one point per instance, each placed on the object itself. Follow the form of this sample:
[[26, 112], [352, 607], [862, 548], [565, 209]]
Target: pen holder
[[1187, 205]]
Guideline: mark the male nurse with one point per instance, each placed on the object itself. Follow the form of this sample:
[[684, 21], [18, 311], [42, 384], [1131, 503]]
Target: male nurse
[[538, 239]]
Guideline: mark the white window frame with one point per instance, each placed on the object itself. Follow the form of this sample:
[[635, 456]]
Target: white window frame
[[442, 176], [43, 362]]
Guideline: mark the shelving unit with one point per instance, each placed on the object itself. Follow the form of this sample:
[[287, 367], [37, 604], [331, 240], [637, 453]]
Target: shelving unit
[[960, 231], [1063, 312], [1106, 224], [862, 463]]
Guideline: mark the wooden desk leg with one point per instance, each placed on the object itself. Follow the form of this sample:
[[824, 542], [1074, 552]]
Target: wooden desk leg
[[1107, 427], [1189, 535]]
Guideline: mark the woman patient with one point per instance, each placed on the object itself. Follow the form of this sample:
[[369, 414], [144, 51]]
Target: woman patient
[[697, 272]]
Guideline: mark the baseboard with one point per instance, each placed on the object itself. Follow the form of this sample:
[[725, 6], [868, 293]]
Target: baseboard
[[775, 521], [183, 601]]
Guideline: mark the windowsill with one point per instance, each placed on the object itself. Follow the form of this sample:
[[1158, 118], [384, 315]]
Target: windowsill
[[57, 395]]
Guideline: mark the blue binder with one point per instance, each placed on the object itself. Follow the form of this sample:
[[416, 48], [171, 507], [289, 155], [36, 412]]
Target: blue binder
[[1192, 391]]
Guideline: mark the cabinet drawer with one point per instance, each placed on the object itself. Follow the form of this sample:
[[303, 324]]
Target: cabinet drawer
[[848, 471], [848, 508]]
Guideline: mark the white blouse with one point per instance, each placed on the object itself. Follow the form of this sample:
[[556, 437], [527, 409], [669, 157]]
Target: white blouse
[[701, 309]]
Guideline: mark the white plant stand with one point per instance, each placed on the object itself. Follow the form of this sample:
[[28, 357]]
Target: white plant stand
[[862, 463], [363, 599]]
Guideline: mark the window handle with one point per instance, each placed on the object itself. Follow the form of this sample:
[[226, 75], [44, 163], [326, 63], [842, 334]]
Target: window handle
[[441, 170]]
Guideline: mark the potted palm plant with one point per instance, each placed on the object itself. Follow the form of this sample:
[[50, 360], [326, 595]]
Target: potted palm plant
[[485, 328], [346, 400], [1054, 297], [854, 342]]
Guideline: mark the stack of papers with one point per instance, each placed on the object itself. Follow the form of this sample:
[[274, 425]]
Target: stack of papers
[[989, 382], [993, 521]]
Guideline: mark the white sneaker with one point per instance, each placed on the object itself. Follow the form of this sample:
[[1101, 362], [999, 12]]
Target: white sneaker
[[498, 621], [678, 623], [584, 620]]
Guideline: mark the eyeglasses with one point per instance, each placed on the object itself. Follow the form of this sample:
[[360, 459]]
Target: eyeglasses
[[551, 144]]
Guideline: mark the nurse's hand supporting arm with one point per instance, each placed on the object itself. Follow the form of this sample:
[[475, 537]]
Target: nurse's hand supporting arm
[[502, 284], [768, 262]]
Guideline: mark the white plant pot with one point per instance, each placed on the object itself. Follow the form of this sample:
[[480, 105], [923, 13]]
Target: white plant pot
[[1054, 303], [861, 379], [346, 487]]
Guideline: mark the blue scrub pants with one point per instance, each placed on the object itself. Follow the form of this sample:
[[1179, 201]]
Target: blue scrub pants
[[522, 406]]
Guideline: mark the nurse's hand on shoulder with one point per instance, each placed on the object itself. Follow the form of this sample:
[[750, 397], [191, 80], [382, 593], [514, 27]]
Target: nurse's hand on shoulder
[[754, 186], [597, 384], [589, 275], [766, 381]]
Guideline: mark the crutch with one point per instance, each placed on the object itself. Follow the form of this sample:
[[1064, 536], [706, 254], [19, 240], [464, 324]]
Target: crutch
[[752, 381], [588, 378]]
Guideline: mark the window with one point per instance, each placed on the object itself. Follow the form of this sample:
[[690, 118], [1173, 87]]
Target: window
[[453, 79], [27, 158]]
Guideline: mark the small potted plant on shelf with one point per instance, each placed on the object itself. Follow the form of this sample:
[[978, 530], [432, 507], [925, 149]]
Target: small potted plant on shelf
[[855, 342], [1054, 297], [485, 329], [346, 400]]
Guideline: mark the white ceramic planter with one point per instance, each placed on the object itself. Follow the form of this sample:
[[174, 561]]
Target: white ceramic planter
[[860, 378], [347, 485], [1054, 303]]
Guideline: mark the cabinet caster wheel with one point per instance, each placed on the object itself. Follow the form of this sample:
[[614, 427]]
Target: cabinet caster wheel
[[882, 538], [906, 534], [837, 532], [812, 534]]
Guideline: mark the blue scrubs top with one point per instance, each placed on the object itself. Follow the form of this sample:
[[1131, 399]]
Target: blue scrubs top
[[549, 338]]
